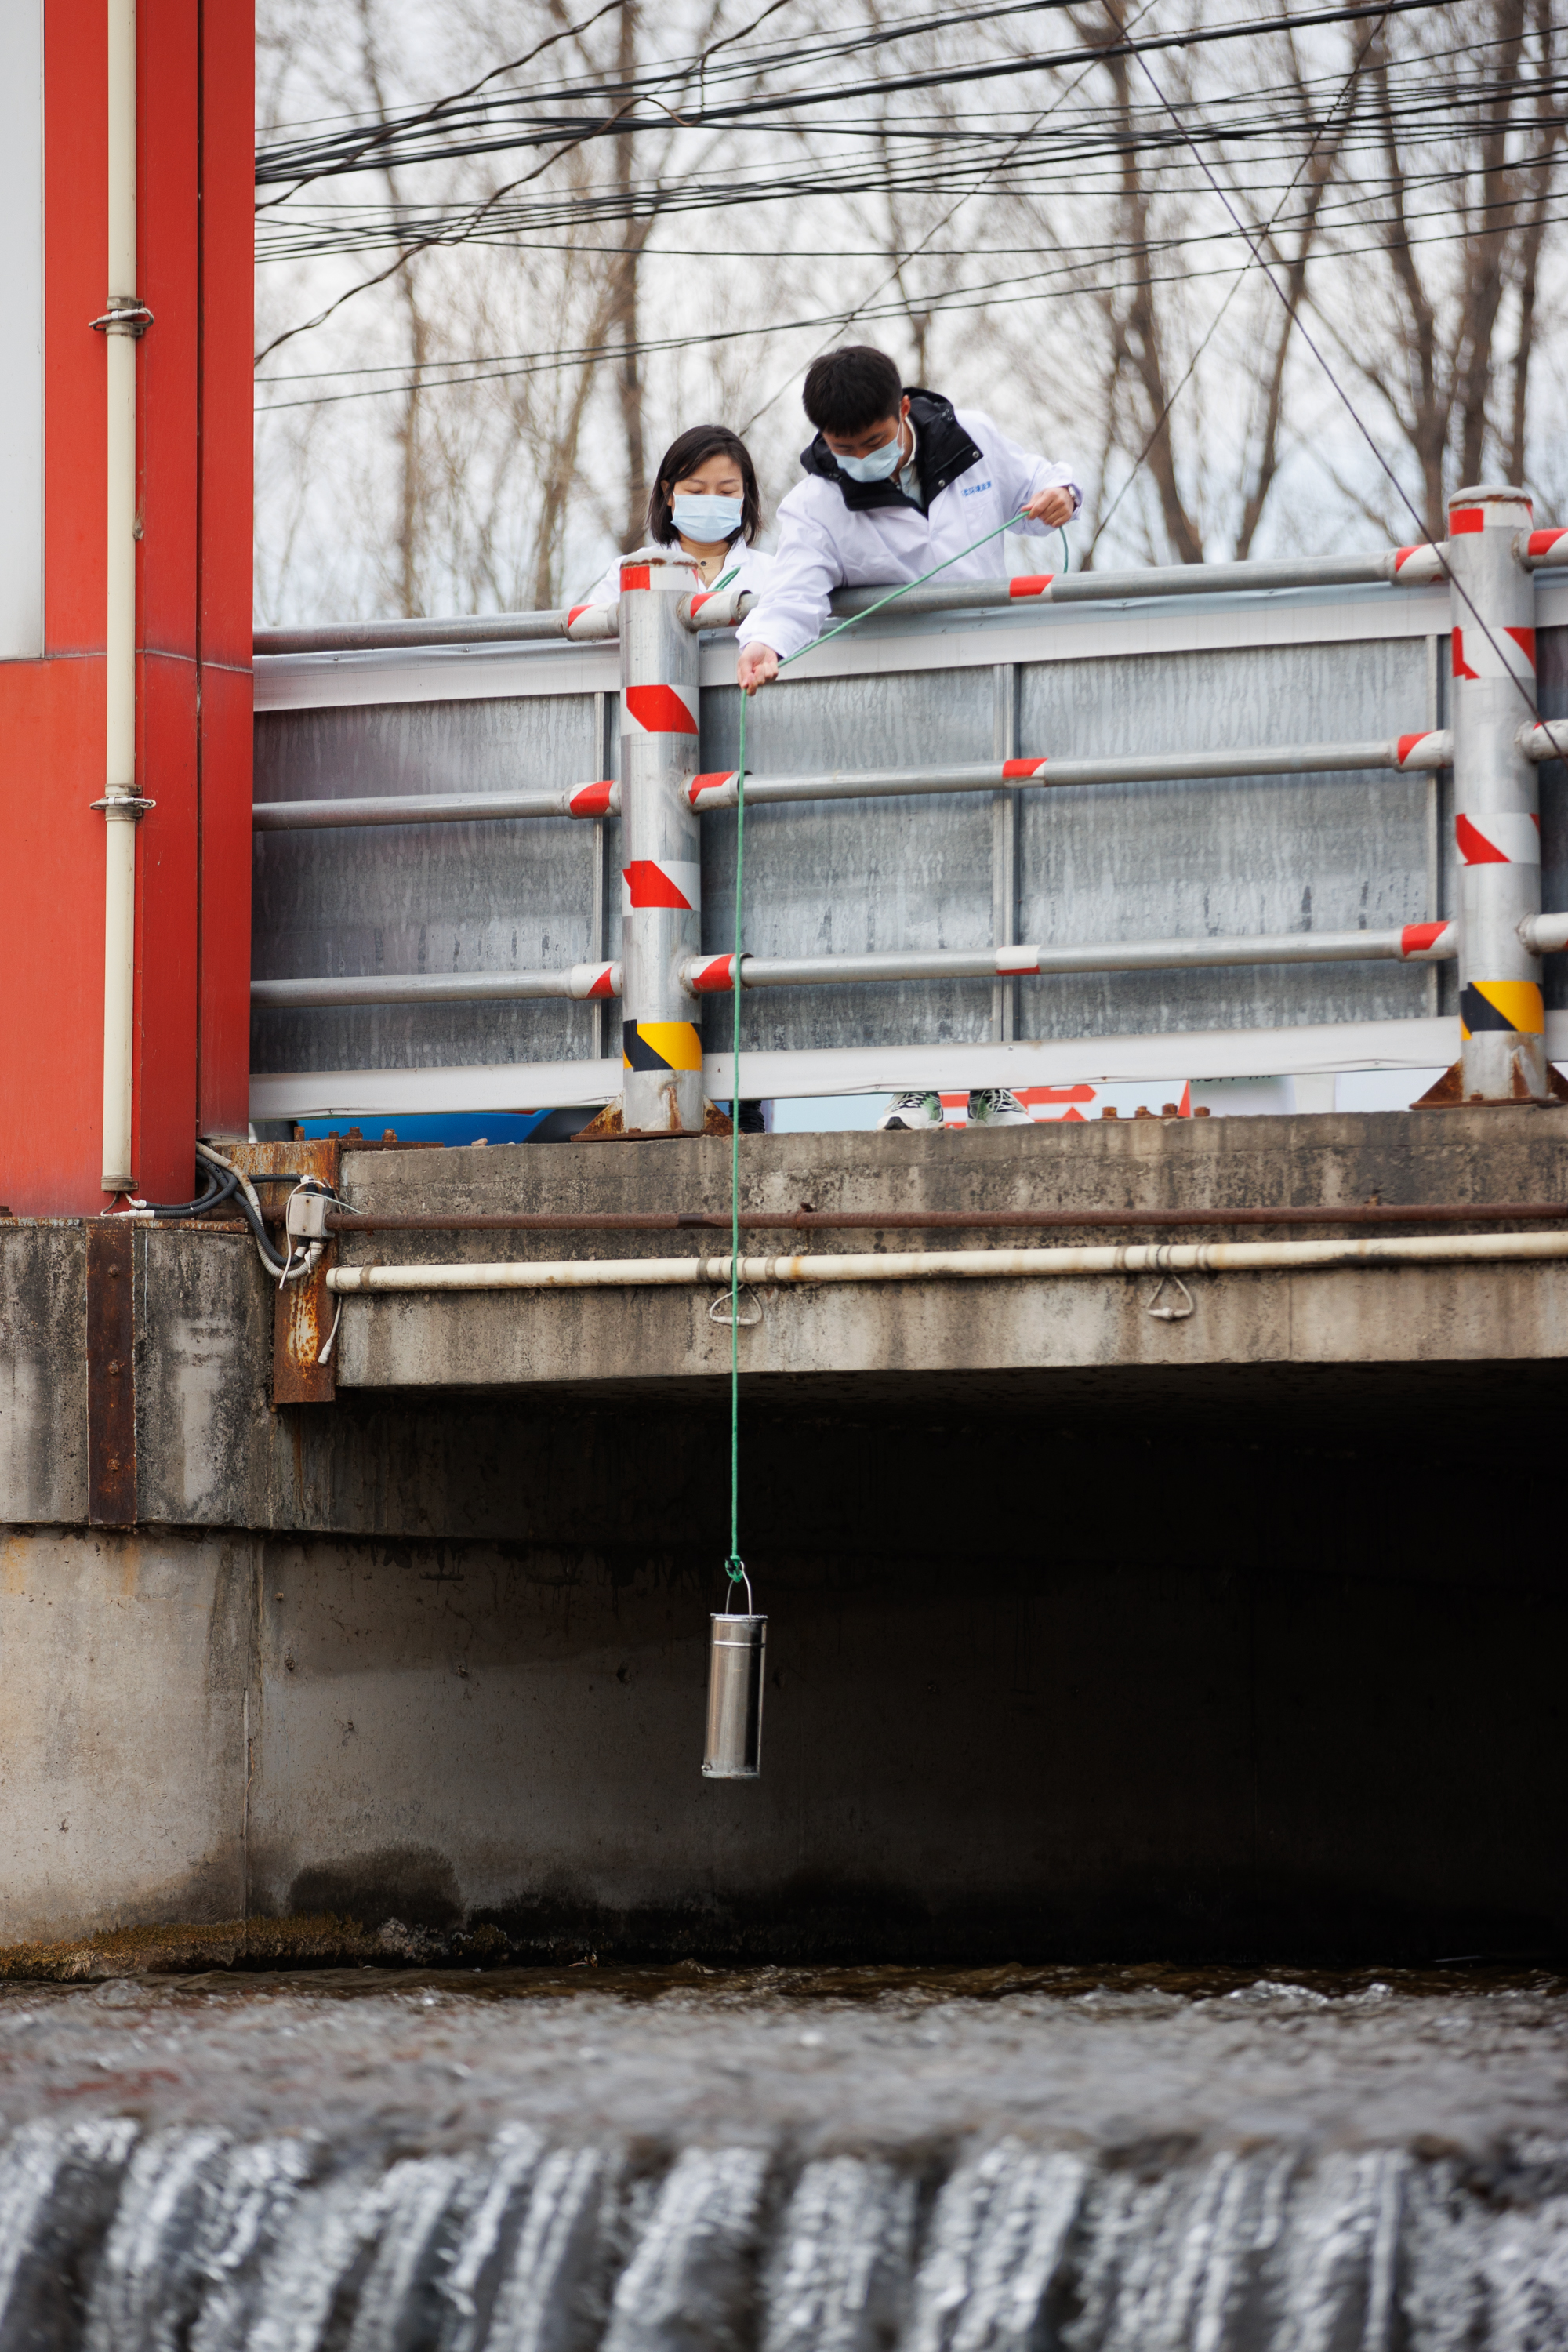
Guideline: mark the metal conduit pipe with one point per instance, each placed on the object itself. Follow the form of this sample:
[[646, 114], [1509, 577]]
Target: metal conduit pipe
[[593, 800], [665, 1220], [976, 1264], [1414, 943], [1427, 748], [579, 981], [123, 321]]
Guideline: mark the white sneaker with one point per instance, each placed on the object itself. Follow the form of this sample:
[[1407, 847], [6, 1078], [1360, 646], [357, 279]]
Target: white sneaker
[[913, 1110], [996, 1106]]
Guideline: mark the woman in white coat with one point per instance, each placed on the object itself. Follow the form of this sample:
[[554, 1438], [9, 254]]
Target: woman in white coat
[[704, 502]]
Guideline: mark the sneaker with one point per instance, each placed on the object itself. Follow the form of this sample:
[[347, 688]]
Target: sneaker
[[913, 1110], [996, 1106]]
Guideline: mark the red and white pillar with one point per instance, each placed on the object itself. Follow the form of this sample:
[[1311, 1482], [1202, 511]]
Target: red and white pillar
[[1496, 824], [661, 877]]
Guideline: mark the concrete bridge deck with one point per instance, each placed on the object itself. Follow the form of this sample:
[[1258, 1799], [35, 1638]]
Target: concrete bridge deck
[[1034, 1339], [1090, 1633]]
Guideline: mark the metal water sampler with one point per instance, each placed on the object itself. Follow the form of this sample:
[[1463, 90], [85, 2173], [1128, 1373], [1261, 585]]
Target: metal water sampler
[[737, 1648]]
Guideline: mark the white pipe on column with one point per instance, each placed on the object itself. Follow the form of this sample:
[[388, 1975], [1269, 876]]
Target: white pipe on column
[[121, 807]]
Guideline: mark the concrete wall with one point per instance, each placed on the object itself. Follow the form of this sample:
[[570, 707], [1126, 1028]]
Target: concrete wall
[[1194, 1641], [123, 1666], [1137, 1685]]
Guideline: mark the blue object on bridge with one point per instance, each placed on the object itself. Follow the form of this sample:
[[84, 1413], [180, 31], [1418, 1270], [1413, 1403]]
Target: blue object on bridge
[[438, 1126]]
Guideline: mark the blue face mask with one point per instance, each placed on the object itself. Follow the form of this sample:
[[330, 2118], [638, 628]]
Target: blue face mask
[[879, 466], [703, 519]]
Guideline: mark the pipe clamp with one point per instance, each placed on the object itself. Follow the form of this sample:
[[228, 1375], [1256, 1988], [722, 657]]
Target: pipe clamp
[[131, 319], [124, 804]]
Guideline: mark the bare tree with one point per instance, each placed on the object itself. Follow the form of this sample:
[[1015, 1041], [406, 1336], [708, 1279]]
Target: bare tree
[[407, 547], [493, 396], [1444, 307]]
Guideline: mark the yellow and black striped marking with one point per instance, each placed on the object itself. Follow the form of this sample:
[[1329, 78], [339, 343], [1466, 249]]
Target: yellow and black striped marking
[[1493, 1004], [660, 1046]]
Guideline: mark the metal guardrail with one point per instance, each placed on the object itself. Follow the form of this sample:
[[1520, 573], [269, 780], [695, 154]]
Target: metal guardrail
[[1410, 566], [714, 975], [1492, 746]]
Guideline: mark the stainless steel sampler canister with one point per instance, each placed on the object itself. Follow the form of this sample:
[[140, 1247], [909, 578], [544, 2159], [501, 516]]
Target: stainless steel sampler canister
[[737, 1649]]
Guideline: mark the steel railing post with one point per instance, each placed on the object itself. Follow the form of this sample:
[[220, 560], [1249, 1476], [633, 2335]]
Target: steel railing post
[[1496, 831], [661, 878]]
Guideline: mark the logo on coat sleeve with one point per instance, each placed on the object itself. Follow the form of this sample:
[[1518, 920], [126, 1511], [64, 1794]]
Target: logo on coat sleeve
[[975, 489]]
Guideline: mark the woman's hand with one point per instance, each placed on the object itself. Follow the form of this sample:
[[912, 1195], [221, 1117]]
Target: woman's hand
[[1050, 506], [755, 667]]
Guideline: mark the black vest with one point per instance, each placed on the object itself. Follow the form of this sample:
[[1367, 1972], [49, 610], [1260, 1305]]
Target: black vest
[[943, 450]]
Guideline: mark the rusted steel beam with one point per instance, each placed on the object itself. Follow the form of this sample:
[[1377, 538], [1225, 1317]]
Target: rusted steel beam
[[110, 1372], [523, 1221], [303, 1311]]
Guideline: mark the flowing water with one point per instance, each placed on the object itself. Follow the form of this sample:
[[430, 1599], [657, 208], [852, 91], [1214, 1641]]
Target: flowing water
[[852, 2161]]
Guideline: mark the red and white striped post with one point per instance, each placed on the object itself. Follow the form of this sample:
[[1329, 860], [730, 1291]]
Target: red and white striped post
[[661, 879], [1496, 825]]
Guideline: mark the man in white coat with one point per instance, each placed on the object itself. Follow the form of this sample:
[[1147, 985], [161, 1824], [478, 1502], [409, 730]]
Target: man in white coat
[[896, 481]]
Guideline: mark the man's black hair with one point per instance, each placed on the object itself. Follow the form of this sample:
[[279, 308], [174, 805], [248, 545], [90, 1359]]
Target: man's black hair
[[685, 454], [849, 389]]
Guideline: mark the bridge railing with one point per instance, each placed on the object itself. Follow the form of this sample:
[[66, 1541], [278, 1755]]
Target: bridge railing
[[1490, 745]]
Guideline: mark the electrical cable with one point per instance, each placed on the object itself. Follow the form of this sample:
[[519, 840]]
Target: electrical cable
[[383, 129], [1160, 423], [284, 1266], [218, 1190], [624, 124], [296, 160], [375, 227], [1456, 586], [574, 133], [951, 305], [861, 309], [225, 1183]]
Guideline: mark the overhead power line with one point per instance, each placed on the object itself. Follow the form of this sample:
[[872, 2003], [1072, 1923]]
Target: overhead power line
[[618, 119], [361, 143], [1429, 95], [954, 301]]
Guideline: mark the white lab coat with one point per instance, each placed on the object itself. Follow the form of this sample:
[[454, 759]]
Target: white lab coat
[[825, 544], [750, 565]]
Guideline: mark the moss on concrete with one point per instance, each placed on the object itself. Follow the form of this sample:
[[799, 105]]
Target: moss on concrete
[[320, 1939]]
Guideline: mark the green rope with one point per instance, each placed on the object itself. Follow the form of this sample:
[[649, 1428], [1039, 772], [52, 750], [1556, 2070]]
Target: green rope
[[734, 1566]]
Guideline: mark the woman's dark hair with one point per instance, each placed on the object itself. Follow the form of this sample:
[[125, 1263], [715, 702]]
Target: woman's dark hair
[[848, 391], [685, 454]]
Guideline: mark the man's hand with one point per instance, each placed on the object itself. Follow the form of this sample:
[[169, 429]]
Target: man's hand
[[755, 667], [1050, 506]]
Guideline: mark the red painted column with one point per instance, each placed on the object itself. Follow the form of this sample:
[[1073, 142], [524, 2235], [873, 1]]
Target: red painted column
[[51, 711], [167, 161], [196, 79], [225, 493]]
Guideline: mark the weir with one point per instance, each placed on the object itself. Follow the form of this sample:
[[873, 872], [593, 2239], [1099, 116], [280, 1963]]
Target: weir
[[1148, 1512], [686, 2172]]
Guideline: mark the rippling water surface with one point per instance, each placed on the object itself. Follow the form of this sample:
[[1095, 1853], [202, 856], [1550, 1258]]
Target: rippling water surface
[[679, 2161]]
